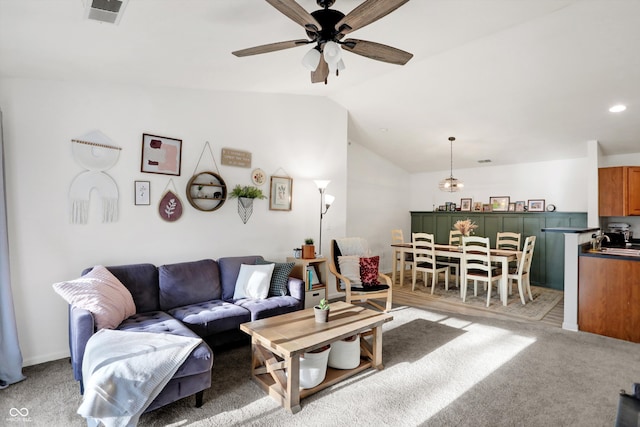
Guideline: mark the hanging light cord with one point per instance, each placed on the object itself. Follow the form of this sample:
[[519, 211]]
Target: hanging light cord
[[451, 139]]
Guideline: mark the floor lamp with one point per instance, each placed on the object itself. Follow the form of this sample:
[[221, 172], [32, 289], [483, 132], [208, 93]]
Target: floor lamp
[[325, 203]]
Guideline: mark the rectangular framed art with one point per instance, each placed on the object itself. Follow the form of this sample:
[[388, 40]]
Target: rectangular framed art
[[280, 194], [477, 207], [142, 192], [499, 204], [465, 205], [520, 206], [535, 205], [161, 155]]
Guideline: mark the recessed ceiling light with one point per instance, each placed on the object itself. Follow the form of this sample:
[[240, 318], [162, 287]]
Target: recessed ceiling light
[[618, 108], [384, 130], [484, 161]]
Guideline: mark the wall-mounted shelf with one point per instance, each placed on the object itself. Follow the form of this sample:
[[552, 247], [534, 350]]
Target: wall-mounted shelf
[[206, 191]]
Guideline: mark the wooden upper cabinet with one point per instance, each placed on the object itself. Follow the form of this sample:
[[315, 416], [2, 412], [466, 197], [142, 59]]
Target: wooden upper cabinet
[[619, 191]]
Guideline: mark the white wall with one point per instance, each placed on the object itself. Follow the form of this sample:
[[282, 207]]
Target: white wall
[[378, 201], [41, 117], [560, 182]]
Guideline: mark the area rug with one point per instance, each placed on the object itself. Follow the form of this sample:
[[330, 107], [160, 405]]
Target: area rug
[[544, 299]]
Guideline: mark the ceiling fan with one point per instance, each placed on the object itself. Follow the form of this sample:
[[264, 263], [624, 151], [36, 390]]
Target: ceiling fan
[[326, 28]]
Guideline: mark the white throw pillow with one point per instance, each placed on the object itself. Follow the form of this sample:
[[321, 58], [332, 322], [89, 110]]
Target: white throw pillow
[[350, 268], [253, 281], [101, 293]]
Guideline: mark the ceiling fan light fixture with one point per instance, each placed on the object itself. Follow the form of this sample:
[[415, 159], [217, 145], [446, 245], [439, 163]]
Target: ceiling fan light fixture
[[311, 59], [332, 53]]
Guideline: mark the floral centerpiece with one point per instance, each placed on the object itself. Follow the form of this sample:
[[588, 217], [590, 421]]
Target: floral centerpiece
[[465, 227]]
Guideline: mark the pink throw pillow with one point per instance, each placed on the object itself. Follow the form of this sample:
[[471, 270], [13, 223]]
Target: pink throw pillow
[[369, 270], [101, 293]]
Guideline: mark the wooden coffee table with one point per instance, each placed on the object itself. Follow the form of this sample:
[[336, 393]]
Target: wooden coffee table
[[278, 342]]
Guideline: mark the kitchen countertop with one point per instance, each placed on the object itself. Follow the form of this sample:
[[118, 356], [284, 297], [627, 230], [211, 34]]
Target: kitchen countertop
[[631, 254]]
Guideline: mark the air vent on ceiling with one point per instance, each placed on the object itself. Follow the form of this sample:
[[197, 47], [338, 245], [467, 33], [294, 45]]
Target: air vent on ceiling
[[105, 10]]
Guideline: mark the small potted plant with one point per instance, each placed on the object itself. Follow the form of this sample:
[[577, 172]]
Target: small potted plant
[[245, 196], [322, 311], [308, 249]]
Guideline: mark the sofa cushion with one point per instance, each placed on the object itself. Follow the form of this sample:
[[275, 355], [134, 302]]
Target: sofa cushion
[[101, 293], [279, 278], [201, 358], [188, 282], [142, 282], [211, 317], [272, 306], [229, 270], [253, 281]]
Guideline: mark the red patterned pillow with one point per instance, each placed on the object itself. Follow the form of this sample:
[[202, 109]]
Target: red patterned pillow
[[369, 270]]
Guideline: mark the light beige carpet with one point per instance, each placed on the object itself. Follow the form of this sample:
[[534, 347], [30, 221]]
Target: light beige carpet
[[544, 299]]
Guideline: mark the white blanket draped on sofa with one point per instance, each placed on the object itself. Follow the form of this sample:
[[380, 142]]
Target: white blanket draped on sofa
[[124, 371]]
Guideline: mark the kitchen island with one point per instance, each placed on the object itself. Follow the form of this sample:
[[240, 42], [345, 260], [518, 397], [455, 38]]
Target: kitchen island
[[609, 292]]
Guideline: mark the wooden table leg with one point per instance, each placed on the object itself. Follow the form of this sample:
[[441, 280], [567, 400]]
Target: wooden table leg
[[376, 345], [292, 394], [395, 266], [503, 280]]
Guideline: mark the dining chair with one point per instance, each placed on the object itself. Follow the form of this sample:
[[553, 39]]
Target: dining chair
[[455, 239], [476, 265], [396, 238], [521, 273], [424, 260], [508, 240]]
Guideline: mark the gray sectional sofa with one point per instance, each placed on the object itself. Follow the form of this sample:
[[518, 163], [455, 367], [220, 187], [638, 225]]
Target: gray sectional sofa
[[193, 299]]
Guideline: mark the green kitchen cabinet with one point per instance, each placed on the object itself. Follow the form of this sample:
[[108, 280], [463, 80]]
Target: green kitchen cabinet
[[547, 267]]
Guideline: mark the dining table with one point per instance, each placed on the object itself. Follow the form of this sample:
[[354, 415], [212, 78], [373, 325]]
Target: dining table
[[501, 256]]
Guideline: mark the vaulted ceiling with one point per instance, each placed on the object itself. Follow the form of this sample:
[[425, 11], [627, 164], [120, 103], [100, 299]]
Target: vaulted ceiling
[[513, 80]]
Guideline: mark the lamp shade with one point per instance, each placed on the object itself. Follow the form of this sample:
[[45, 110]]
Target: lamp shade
[[328, 200], [322, 183], [332, 54], [311, 59]]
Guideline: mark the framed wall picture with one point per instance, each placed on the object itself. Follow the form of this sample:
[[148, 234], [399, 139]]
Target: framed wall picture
[[465, 205], [535, 205], [142, 192], [161, 155], [280, 194], [499, 204], [520, 206]]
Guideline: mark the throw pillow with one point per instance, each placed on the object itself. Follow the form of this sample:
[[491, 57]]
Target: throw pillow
[[279, 278], [350, 268], [253, 281], [101, 293], [369, 270]]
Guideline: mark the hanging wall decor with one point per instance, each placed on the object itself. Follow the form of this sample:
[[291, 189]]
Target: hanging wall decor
[[170, 207], [161, 155], [96, 153], [206, 191]]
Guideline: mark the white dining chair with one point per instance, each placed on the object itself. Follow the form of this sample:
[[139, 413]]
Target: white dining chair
[[476, 265], [508, 240], [397, 237], [521, 273], [455, 239], [424, 260]]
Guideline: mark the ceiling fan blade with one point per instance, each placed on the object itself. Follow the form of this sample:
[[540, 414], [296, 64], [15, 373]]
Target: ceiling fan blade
[[368, 12], [380, 52], [321, 73], [297, 13], [272, 47]]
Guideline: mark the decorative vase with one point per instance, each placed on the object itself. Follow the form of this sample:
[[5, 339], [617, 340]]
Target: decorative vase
[[345, 354], [313, 368], [322, 316], [308, 251]]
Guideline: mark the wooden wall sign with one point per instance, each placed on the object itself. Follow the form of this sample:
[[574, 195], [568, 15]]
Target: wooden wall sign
[[232, 157]]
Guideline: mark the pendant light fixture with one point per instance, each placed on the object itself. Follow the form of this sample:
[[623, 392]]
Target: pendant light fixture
[[451, 184]]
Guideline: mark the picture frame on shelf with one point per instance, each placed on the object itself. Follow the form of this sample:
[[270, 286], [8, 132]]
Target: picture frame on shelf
[[280, 194], [465, 205], [477, 207], [142, 192], [161, 155], [535, 205], [520, 204], [499, 203], [512, 207], [486, 207]]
